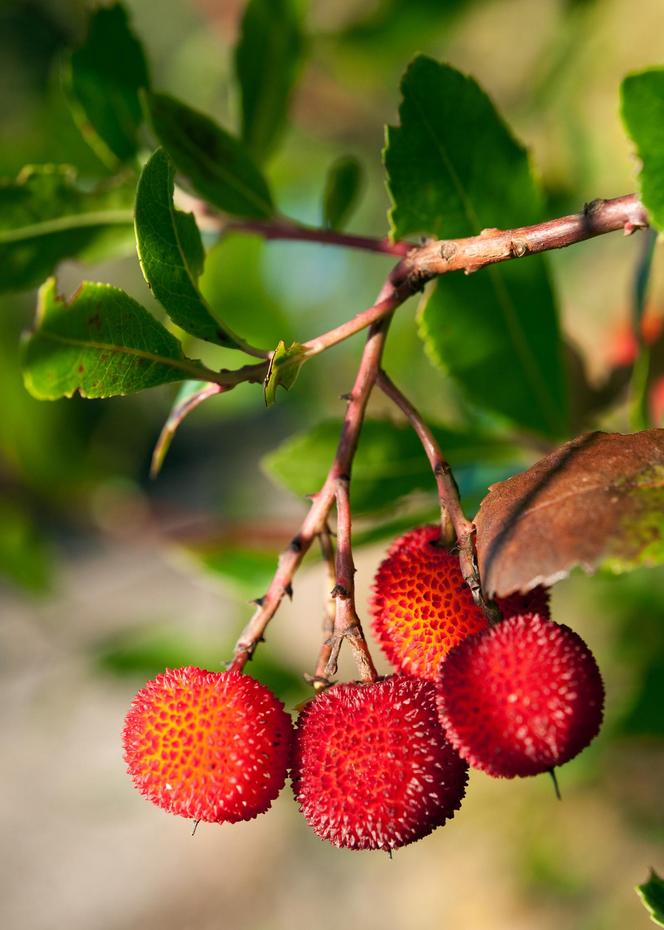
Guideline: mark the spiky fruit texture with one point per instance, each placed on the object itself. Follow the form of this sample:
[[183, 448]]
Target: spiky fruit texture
[[421, 607], [212, 746], [372, 768], [521, 698]]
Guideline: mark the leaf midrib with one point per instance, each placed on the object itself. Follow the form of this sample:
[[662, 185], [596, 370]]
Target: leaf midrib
[[503, 298], [67, 224], [190, 367]]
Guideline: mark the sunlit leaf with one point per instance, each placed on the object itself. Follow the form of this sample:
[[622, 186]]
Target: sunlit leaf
[[172, 256], [190, 396], [284, 368], [643, 116], [652, 895], [100, 343]]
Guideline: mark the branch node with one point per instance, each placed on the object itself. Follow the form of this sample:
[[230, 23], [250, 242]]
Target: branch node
[[339, 591], [518, 247], [448, 250], [288, 590]]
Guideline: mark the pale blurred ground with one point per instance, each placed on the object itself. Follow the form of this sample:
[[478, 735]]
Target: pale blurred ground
[[81, 849]]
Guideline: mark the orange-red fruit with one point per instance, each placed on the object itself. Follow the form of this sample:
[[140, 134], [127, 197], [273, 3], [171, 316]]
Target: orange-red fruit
[[211, 746], [421, 607], [372, 767], [521, 698]]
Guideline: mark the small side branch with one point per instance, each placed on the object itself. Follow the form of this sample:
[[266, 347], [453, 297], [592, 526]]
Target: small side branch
[[347, 624], [454, 523]]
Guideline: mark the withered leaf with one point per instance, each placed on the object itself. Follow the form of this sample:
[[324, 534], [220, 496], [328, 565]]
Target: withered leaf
[[596, 501]]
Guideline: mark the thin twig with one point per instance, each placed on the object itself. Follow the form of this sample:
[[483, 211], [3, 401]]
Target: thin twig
[[316, 518], [347, 624], [452, 515], [319, 680], [282, 228]]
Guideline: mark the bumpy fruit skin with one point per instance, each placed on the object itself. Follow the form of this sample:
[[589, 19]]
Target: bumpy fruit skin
[[211, 746], [521, 698], [372, 768], [421, 607]]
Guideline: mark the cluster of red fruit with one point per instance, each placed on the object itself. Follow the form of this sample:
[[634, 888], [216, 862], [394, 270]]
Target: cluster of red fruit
[[378, 765]]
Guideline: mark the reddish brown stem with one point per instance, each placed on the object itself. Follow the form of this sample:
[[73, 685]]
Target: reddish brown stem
[[438, 257], [282, 228], [498, 245], [316, 518], [347, 624], [319, 679], [452, 515]]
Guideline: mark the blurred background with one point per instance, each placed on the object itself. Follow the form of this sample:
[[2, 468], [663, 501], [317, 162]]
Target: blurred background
[[107, 577]]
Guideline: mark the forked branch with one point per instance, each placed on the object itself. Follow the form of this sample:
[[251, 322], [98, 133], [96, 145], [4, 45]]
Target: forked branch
[[315, 521]]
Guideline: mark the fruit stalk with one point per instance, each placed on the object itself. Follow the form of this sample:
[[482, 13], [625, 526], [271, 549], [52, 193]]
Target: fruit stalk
[[454, 523], [347, 624]]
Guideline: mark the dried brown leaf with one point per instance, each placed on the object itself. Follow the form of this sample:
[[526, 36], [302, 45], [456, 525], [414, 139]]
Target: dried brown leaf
[[597, 500]]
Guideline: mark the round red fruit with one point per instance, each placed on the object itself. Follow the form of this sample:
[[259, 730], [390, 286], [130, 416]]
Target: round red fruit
[[421, 607], [211, 746], [521, 698], [372, 768]]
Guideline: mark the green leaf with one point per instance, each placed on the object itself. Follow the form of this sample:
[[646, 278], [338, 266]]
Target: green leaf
[[104, 78], [45, 217], [217, 165], [454, 169], [171, 254], [24, 556], [390, 462], [652, 895], [267, 63], [190, 395], [342, 190], [101, 343], [246, 569], [642, 98], [284, 368]]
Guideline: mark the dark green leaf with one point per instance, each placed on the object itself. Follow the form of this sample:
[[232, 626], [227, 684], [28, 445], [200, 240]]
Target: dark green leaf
[[389, 464], [652, 895], [45, 217], [342, 190], [190, 395], [100, 344], [247, 570], [24, 556], [217, 165], [454, 169], [267, 62], [104, 78], [643, 116], [171, 254], [284, 368]]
